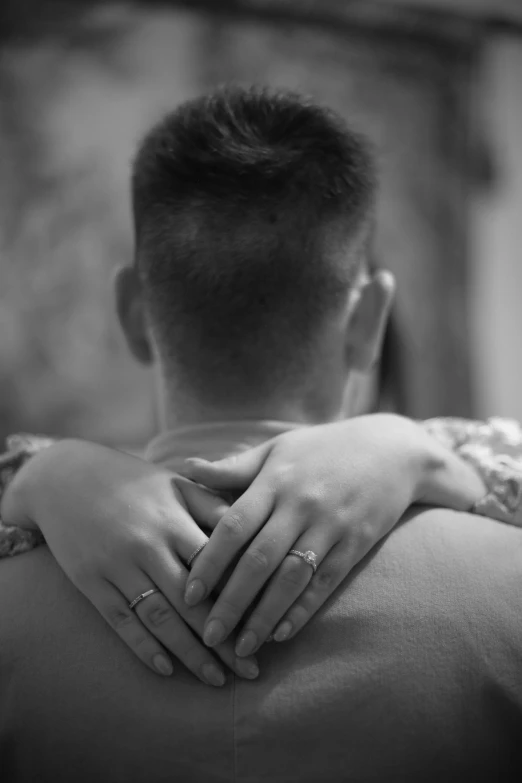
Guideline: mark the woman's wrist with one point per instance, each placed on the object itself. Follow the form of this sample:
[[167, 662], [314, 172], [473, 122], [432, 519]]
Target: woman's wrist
[[14, 504], [444, 478], [16, 477], [24, 488]]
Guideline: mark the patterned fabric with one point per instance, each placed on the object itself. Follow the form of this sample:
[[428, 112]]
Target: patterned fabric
[[20, 448], [493, 447]]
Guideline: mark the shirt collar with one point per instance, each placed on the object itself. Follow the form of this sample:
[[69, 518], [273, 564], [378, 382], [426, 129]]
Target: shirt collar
[[212, 441]]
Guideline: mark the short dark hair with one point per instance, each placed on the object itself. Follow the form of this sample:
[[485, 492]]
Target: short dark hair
[[250, 208]]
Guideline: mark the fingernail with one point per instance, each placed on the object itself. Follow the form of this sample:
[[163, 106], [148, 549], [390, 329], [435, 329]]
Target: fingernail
[[214, 633], [193, 462], [162, 665], [213, 674], [246, 644], [283, 632], [186, 468], [195, 592], [248, 669]]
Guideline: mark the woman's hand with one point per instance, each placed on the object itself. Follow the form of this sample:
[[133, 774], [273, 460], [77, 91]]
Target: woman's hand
[[119, 526], [334, 490]]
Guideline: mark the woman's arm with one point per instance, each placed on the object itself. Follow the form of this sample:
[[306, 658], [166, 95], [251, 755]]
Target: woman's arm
[[80, 494], [493, 447], [119, 527], [327, 494]]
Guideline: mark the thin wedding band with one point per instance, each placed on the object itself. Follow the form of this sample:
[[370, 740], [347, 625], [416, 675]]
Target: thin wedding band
[[142, 597], [195, 553], [308, 556]]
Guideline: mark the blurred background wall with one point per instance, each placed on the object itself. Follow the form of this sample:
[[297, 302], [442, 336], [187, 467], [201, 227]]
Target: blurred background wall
[[496, 238], [436, 85]]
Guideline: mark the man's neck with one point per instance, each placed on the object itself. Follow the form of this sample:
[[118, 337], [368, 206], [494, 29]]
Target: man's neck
[[188, 429], [179, 410], [211, 440]]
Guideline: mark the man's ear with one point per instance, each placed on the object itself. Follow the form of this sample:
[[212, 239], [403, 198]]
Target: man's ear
[[367, 323], [131, 313]]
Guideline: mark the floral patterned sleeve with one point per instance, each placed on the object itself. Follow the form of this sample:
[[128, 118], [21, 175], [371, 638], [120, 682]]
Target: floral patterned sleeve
[[20, 448], [494, 448]]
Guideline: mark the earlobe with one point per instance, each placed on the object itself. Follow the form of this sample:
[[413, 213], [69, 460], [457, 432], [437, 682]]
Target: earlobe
[[131, 313], [367, 325]]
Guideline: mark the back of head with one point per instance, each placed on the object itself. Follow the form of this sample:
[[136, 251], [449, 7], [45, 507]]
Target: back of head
[[251, 211]]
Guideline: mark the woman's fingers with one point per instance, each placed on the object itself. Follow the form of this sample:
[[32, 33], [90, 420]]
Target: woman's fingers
[[170, 577], [156, 623], [288, 583], [162, 620], [154, 620], [204, 506], [114, 608], [327, 578], [233, 532], [255, 567], [232, 473]]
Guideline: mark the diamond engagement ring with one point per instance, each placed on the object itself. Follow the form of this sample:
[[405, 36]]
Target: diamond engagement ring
[[142, 596], [308, 556]]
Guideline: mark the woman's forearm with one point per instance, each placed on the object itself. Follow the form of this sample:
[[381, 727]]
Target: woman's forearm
[[477, 467]]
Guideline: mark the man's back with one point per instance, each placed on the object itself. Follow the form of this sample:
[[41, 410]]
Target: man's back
[[413, 671]]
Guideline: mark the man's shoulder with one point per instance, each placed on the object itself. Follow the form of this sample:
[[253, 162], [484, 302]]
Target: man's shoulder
[[438, 560], [452, 561], [65, 673], [447, 530], [439, 535], [29, 581], [422, 627]]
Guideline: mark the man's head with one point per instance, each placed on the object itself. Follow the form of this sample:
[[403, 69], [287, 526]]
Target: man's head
[[252, 212]]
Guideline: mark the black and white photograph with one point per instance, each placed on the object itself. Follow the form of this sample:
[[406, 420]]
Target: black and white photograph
[[260, 391]]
